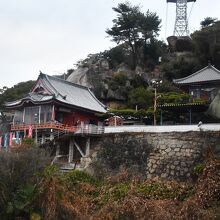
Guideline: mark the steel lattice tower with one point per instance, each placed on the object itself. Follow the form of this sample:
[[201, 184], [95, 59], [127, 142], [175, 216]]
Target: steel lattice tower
[[181, 23]]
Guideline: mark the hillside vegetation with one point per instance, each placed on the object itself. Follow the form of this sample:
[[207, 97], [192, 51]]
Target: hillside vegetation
[[29, 190]]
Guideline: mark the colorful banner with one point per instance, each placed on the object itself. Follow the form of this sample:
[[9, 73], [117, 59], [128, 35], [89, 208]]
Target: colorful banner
[[17, 137], [10, 139], [30, 129]]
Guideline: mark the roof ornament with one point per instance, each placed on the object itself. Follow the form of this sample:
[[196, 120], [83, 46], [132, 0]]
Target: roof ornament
[[209, 63]]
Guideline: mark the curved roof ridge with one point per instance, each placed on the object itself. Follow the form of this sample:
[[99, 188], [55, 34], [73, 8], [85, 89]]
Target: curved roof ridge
[[28, 97], [104, 106], [12, 102], [189, 76], [67, 82], [213, 73], [215, 69], [46, 77]]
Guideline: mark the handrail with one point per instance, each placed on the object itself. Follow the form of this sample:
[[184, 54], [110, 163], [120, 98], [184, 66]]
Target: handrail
[[81, 129], [49, 125], [56, 157]]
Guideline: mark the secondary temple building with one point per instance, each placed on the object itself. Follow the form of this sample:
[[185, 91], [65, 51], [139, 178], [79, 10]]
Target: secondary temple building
[[202, 85]]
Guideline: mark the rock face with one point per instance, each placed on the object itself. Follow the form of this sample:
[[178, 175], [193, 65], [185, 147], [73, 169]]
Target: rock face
[[79, 76], [89, 70], [214, 108], [107, 83]]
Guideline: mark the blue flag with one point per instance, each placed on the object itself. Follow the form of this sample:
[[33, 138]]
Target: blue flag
[[17, 137], [5, 140]]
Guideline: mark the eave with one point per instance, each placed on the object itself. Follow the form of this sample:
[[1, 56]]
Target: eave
[[52, 101]]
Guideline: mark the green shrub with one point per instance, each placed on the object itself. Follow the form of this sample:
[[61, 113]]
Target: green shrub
[[120, 191], [174, 97], [131, 112], [164, 191], [156, 191], [49, 172], [141, 97], [198, 169], [120, 78], [75, 177], [18, 180], [28, 142]]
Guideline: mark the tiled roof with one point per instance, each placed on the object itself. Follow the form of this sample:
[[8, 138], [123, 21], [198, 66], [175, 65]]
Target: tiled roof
[[207, 74], [65, 92]]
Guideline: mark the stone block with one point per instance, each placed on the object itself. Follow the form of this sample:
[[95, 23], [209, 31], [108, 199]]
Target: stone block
[[176, 162], [178, 168], [172, 173], [171, 153], [168, 150], [172, 167], [164, 175], [186, 170]]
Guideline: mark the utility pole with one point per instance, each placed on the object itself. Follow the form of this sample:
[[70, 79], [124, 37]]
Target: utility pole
[[155, 84]]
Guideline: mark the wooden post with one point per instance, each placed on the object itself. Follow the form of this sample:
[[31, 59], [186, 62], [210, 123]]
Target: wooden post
[[36, 135], [39, 114], [57, 149], [155, 106], [23, 115], [43, 139], [71, 144], [190, 116], [53, 113], [87, 147], [51, 135]]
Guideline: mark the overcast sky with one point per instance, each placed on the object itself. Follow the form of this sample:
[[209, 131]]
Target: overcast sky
[[52, 35]]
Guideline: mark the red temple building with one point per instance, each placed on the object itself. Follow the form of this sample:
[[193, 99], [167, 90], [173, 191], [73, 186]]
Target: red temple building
[[56, 107], [55, 104]]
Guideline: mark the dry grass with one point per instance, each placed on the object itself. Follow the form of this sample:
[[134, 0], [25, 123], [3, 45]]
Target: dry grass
[[123, 197]]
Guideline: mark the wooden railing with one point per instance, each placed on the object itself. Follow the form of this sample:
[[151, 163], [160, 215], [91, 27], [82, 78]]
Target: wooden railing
[[81, 129], [49, 125]]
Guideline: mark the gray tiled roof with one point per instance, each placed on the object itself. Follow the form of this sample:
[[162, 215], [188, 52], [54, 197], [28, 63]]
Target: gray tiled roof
[[207, 74], [34, 98], [65, 92]]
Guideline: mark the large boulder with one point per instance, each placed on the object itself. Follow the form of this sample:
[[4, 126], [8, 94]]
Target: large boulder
[[79, 76], [214, 107]]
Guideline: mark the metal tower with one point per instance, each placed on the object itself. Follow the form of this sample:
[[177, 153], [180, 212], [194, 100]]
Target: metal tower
[[181, 23]]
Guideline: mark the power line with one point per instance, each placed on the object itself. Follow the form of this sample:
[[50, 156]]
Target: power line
[[166, 21]]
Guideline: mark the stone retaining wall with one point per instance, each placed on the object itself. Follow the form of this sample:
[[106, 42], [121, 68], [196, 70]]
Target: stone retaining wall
[[172, 155]]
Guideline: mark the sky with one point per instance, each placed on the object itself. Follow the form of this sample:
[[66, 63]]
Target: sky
[[52, 35]]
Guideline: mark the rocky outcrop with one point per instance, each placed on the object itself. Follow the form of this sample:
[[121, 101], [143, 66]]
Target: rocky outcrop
[[214, 108], [107, 83], [79, 76]]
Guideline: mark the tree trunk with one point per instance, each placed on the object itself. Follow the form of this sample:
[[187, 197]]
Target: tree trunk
[[134, 56]]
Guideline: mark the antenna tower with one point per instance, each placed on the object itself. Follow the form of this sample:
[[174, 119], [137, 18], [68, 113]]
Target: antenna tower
[[181, 23]]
